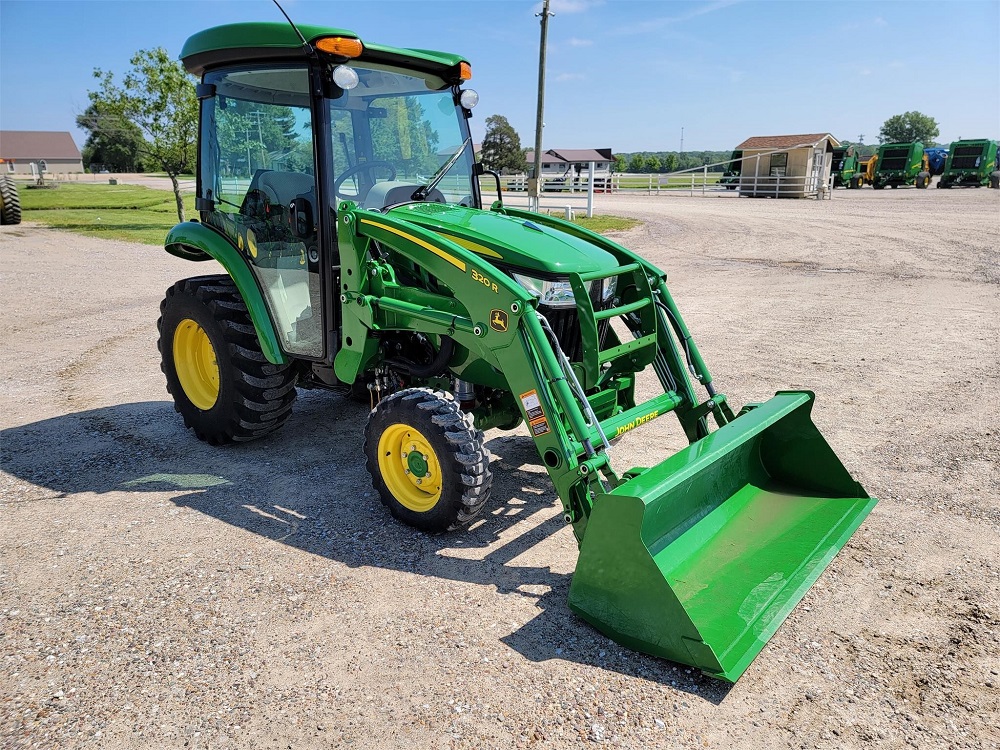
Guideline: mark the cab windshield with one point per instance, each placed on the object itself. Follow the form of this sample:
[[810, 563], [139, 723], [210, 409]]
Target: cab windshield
[[396, 133]]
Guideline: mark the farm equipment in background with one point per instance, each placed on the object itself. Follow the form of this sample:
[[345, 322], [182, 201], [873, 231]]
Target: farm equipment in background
[[901, 164], [936, 158], [10, 200], [972, 163], [731, 176], [359, 258], [846, 168], [866, 170]]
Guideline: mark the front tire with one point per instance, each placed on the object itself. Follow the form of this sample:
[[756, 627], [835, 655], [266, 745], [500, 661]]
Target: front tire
[[427, 461], [923, 180], [222, 385], [10, 201]]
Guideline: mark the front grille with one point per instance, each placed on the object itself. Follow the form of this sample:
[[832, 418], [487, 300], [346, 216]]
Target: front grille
[[893, 163], [565, 322], [965, 162], [968, 150]]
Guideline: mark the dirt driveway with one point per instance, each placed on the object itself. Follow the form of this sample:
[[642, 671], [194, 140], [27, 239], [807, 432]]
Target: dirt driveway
[[159, 593]]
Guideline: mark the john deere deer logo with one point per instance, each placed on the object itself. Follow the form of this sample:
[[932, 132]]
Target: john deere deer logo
[[498, 320]]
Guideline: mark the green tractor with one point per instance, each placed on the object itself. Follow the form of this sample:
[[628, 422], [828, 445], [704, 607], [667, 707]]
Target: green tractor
[[901, 164], [338, 188], [731, 176], [846, 168], [972, 164]]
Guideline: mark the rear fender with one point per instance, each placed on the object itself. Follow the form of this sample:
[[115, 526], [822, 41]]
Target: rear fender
[[194, 241]]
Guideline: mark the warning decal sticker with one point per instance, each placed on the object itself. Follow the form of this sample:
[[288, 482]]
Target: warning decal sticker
[[532, 405], [540, 427], [536, 416]]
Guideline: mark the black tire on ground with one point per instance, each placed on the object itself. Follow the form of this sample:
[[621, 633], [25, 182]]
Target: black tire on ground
[[995, 180], [254, 397], [10, 201], [878, 185], [923, 180], [434, 421]]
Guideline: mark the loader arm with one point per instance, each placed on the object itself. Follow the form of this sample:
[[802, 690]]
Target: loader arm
[[697, 559]]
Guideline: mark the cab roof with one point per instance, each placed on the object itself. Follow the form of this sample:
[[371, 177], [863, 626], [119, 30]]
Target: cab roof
[[246, 42]]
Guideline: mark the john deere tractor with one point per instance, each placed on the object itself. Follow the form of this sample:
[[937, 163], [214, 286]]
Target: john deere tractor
[[338, 188]]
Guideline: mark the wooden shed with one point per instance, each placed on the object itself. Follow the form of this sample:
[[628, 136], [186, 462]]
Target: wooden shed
[[787, 166]]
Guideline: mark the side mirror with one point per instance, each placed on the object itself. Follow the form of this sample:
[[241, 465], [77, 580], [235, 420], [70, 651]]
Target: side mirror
[[300, 217]]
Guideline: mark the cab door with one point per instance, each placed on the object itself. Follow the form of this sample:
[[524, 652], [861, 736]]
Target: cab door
[[258, 182]]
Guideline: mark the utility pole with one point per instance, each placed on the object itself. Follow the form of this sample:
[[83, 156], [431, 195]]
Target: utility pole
[[533, 184], [861, 139], [682, 139]]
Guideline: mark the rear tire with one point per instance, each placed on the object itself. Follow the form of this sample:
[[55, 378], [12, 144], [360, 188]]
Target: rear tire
[[223, 386], [995, 180], [923, 180], [10, 201], [427, 461]]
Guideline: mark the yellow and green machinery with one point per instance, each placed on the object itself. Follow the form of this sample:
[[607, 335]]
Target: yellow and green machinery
[[901, 164], [846, 168], [338, 188], [972, 163]]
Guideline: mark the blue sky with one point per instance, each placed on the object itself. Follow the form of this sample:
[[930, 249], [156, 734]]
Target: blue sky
[[628, 74]]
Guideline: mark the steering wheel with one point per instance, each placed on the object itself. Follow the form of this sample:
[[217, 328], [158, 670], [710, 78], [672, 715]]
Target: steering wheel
[[363, 166]]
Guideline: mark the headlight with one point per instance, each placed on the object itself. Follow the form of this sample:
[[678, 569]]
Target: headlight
[[551, 293], [610, 287], [559, 293]]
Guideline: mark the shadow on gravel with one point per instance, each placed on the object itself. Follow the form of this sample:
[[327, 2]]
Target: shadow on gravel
[[306, 486]]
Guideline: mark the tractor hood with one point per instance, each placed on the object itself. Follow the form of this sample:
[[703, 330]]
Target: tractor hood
[[508, 242]]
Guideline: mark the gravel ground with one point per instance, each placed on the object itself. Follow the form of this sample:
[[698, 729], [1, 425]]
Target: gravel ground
[[159, 593]]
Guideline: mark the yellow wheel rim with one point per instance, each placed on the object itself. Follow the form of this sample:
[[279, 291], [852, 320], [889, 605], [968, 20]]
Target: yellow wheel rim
[[196, 364], [409, 467]]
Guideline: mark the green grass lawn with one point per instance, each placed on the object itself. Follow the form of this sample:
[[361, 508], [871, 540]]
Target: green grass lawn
[[139, 214], [600, 223], [117, 212]]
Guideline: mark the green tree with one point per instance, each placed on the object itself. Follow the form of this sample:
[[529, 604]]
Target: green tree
[[113, 146], [637, 163], [502, 150], [652, 165], [620, 164], [156, 96], [670, 162], [405, 137], [909, 127]]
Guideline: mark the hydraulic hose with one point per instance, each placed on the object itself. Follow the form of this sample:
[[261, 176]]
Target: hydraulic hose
[[434, 367]]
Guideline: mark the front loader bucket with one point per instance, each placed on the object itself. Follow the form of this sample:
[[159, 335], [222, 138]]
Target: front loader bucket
[[701, 558]]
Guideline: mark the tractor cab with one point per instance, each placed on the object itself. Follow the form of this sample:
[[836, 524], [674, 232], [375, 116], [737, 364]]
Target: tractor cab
[[288, 132]]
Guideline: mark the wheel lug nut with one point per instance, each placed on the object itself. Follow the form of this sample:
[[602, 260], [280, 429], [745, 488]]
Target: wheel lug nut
[[406, 471], [420, 481], [424, 456], [405, 454]]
